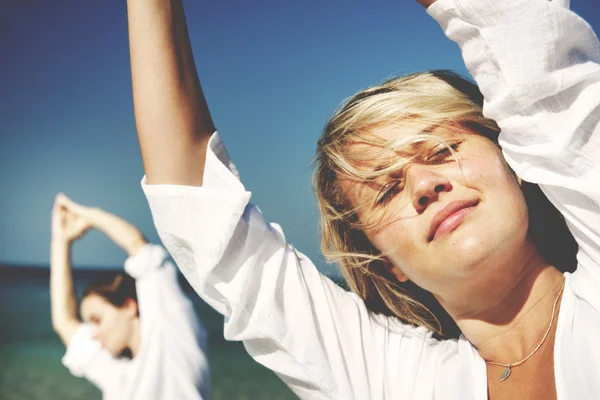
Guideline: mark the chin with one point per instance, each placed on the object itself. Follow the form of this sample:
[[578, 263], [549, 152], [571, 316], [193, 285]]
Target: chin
[[115, 351], [477, 251], [469, 249]]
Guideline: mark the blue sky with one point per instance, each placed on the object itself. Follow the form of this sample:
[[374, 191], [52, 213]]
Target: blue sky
[[272, 71]]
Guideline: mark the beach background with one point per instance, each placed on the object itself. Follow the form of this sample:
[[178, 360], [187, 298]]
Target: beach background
[[30, 351], [272, 71]]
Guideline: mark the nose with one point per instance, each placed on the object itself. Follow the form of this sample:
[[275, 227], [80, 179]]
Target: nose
[[425, 185]]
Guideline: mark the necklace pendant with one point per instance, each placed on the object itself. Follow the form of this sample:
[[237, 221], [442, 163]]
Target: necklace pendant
[[505, 374]]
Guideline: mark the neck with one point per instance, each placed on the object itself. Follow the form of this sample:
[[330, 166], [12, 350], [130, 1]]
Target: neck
[[134, 341], [513, 316]]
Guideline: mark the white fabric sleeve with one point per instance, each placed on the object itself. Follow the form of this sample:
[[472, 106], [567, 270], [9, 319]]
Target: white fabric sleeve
[[161, 300], [86, 358], [537, 65], [318, 338], [156, 280], [147, 260]]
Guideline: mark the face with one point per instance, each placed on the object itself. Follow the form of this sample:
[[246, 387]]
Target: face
[[111, 325], [444, 225]]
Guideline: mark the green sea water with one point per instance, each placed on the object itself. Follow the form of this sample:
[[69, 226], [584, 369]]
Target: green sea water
[[30, 352]]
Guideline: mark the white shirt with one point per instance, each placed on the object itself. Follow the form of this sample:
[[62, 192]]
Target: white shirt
[[537, 64], [171, 363]]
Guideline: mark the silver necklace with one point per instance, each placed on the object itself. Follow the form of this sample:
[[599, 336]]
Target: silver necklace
[[508, 367]]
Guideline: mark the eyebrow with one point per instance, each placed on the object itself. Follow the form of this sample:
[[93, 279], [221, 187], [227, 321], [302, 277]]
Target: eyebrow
[[415, 147], [426, 131]]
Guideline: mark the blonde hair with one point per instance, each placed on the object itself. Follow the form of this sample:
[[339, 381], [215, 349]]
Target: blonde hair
[[432, 98]]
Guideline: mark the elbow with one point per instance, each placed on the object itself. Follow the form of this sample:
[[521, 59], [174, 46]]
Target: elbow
[[58, 326], [59, 329]]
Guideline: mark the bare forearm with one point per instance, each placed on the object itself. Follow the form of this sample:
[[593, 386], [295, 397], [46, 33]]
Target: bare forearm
[[62, 293], [124, 234], [172, 117], [426, 3]]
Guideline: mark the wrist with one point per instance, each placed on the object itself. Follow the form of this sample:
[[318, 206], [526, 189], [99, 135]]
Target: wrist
[[60, 241], [135, 245], [90, 214]]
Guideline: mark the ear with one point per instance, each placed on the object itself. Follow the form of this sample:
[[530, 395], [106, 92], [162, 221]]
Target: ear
[[397, 272], [131, 307]]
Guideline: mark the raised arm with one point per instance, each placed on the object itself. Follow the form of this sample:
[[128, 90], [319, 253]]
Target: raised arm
[[124, 234], [66, 228], [538, 66], [171, 114], [426, 3]]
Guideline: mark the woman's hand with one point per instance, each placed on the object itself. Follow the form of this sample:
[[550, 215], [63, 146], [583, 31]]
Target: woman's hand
[[68, 219], [426, 3]]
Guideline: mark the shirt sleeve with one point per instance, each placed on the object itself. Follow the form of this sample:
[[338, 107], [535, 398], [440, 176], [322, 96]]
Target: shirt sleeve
[[537, 65], [148, 260], [318, 338], [86, 358], [163, 304], [156, 279]]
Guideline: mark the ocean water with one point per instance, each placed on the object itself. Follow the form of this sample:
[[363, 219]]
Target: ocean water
[[30, 352]]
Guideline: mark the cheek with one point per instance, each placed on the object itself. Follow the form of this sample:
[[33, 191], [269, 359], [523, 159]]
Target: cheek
[[121, 324], [396, 241], [109, 325], [489, 169], [103, 328], [499, 187], [502, 220]]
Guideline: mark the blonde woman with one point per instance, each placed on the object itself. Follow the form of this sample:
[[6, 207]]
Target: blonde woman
[[415, 184], [140, 337]]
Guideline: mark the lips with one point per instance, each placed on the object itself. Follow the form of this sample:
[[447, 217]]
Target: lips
[[450, 217]]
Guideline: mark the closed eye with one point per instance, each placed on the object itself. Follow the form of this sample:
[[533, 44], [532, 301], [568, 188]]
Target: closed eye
[[386, 191], [442, 151]]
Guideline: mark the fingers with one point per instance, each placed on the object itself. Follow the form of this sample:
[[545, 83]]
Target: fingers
[[69, 220], [58, 221], [64, 201], [57, 204], [70, 205], [58, 212], [61, 213], [59, 209]]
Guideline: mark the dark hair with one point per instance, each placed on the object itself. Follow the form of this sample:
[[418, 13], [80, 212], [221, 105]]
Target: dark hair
[[115, 287]]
